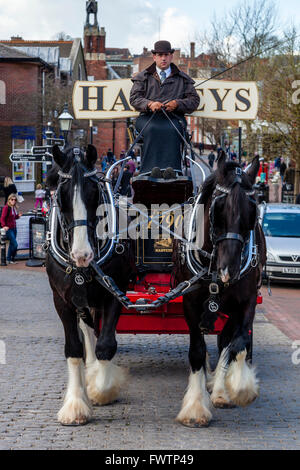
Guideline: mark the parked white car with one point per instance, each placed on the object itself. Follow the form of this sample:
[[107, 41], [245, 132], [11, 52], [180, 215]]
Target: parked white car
[[281, 226]]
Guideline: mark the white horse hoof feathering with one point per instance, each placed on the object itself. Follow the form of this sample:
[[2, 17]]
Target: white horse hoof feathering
[[105, 381], [76, 409], [195, 411], [241, 381]]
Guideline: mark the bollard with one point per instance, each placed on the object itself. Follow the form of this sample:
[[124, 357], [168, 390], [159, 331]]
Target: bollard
[[3, 247]]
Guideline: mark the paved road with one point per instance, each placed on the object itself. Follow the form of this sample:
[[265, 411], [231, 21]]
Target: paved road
[[32, 384]]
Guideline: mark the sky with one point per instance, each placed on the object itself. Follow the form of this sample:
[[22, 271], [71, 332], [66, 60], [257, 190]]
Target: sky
[[128, 23]]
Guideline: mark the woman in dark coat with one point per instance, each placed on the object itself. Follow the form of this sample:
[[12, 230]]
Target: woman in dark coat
[[9, 188]]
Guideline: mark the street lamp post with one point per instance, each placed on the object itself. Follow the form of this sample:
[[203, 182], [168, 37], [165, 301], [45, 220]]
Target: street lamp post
[[65, 122], [49, 135]]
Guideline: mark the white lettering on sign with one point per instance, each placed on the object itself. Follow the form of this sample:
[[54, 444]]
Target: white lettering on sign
[[109, 99], [2, 92]]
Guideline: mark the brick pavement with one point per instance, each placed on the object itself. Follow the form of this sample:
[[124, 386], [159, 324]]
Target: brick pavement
[[283, 308], [32, 384]]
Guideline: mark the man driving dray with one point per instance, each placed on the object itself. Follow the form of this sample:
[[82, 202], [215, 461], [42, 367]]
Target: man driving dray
[[162, 86]]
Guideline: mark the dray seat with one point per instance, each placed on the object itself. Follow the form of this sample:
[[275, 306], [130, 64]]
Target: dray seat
[[149, 190]]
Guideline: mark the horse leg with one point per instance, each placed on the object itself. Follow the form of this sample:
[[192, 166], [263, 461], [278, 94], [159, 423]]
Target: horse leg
[[219, 395], [241, 381], [105, 379], [89, 342], [195, 410], [76, 409]]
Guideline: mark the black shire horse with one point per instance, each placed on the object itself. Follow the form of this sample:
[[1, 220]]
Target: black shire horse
[[79, 299], [230, 214]]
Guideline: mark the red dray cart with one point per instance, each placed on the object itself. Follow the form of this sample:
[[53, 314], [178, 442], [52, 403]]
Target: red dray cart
[[154, 270]]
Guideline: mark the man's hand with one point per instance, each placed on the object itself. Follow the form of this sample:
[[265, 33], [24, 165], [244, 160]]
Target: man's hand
[[171, 106], [155, 106]]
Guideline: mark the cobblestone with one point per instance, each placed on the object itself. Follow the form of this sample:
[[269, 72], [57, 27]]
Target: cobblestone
[[33, 380]]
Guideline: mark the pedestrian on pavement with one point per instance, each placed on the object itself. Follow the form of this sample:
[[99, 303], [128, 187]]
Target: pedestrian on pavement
[[39, 196], [104, 163], [125, 188], [122, 154], [233, 156], [9, 188], [211, 159], [115, 176], [110, 157], [282, 170], [277, 163], [8, 222], [132, 165]]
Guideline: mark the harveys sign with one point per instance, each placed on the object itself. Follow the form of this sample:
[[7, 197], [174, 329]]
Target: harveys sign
[[109, 99]]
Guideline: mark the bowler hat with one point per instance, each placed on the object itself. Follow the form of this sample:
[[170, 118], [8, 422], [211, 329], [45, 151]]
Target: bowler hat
[[162, 47]]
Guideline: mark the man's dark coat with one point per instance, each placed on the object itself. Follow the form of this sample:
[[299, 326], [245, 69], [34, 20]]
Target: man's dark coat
[[178, 86]]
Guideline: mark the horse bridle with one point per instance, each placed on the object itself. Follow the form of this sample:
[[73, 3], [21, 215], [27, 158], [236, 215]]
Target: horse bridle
[[64, 177], [225, 192]]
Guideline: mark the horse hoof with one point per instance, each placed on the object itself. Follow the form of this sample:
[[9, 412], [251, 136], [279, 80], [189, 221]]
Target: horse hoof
[[244, 397], [74, 413], [78, 422], [196, 423], [222, 403]]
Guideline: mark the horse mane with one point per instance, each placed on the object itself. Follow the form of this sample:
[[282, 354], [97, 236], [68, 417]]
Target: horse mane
[[52, 177], [226, 175], [223, 176], [208, 188]]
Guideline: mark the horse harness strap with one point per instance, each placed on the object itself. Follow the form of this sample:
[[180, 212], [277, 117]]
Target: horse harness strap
[[184, 287], [230, 236]]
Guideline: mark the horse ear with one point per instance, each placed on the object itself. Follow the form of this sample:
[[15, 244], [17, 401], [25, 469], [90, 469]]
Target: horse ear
[[221, 159], [91, 154], [58, 156], [253, 170]]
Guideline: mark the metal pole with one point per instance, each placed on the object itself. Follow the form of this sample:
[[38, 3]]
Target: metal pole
[[240, 144], [91, 132], [49, 135], [114, 136], [3, 247]]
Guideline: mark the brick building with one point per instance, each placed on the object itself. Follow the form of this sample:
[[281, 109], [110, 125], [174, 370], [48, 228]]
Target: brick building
[[33, 75], [21, 77]]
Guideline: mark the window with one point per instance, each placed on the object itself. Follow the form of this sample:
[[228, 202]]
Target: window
[[2, 92], [23, 171], [282, 225]]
